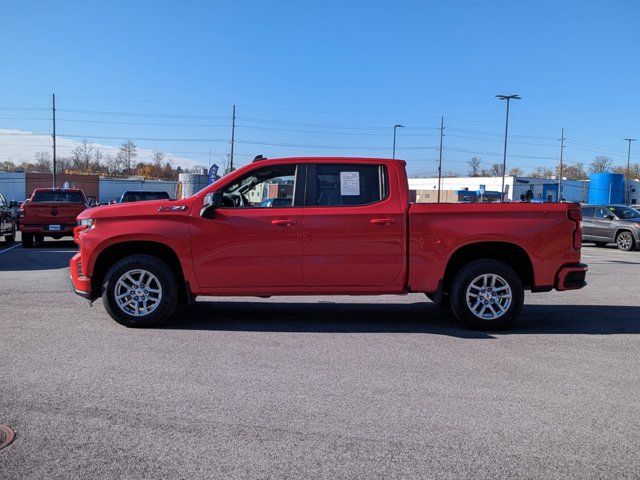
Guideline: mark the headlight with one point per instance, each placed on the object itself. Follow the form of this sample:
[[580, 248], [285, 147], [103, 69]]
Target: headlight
[[88, 223]]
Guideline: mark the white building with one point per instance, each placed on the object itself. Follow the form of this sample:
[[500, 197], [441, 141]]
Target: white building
[[515, 187]]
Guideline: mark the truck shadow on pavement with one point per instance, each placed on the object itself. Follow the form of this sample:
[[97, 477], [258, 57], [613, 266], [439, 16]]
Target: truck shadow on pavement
[[43, 256], [421, 317]]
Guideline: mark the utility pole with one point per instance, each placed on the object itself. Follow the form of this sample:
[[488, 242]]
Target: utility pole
[[560, 171], [395, 127], [54, 140], [233, 138], [629, 140], [508, 98], [440, 157]]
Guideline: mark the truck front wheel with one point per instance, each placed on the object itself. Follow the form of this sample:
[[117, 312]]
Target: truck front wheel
[[140, 291], [487, 295]]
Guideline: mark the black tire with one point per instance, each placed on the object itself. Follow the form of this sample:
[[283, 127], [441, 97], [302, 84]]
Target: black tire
[[11, 237], [168, 296], [470, 273], [443, 302], [39, 238], [27, 240], [601, 244], [625, 241]]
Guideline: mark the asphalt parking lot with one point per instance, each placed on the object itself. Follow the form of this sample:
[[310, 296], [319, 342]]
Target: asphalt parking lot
[[318, 387]]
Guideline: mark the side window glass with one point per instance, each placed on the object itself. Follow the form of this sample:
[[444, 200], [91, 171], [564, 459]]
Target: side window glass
[[587, 213], [603, 213], [267, 187], [349, 185]]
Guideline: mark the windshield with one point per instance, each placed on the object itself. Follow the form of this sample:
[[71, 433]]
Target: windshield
[[58, 197], [142, 196], [625, 212]]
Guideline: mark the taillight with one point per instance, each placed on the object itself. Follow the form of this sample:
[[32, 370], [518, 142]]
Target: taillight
[[575, 214]]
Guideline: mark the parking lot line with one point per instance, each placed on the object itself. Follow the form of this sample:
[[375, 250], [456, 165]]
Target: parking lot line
[[10, 248]]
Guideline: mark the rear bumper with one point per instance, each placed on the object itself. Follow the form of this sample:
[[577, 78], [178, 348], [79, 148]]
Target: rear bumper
[[66, 230], [571, 277], [81, 284]]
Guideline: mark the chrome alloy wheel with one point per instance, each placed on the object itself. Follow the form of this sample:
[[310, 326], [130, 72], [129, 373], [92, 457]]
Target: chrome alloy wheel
[[489, 296], [138, 292], [625, 241]]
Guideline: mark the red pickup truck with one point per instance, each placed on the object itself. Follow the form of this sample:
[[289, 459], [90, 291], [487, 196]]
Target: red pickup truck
[[340, 226], [50, 212]]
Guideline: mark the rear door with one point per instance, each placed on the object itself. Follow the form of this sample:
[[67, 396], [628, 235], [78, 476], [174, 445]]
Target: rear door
[[354, 229], [588, 227]]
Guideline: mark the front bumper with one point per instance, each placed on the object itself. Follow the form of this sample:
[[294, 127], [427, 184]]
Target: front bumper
[[571, 277], [81, 284]]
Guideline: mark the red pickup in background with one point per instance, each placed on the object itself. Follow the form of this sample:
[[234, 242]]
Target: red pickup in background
[[339, 226], [50, 212]]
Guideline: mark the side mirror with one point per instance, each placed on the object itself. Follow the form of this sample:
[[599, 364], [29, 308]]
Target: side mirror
[[211, 201]]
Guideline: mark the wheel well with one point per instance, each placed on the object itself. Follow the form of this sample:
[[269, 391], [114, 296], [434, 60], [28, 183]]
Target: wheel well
[[620, 230], [113, 253], [511, 254]]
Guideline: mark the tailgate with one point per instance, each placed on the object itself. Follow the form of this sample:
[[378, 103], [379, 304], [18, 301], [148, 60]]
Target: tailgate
[[45, 213]]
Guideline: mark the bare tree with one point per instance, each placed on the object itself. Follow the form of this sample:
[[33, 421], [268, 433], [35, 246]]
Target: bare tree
[[573, 171], [157, 158], [600, 164], [474, 163], [516, 172], [496, 170], [43, 161], [541, 172], [126, 155]]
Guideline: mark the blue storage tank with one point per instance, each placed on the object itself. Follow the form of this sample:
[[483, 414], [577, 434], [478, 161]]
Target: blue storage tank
[[606, 188]]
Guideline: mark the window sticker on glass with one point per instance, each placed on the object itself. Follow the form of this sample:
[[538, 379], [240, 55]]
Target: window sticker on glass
[[349, 183]]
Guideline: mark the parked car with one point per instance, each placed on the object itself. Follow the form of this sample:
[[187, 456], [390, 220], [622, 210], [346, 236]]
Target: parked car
[[603, 224], [50, 212], [360, 236], [7, 220], [140, 196]]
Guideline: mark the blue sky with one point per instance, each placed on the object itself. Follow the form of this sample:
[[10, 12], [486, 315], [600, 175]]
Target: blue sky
[[328, 78]]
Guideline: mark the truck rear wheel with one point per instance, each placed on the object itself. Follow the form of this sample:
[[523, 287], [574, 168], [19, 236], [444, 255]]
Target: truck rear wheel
[[140, 291], [27, 240], [487, 295]]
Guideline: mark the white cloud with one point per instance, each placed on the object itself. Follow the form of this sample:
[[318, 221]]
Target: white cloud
[[20, 145]]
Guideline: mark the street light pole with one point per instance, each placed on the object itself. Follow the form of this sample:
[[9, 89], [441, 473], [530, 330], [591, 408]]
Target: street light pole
[[560, 172], [395, 127], [440, 157], [629, 140], [508, 98]]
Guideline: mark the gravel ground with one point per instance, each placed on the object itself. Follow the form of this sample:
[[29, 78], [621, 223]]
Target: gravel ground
[[318, 387]]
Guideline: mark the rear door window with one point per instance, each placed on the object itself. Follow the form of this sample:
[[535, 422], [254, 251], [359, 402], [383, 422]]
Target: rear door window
[[587, 213], [347, 185]]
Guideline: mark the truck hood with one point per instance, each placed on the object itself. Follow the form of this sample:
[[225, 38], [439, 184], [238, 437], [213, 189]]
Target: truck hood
[[135, 209]]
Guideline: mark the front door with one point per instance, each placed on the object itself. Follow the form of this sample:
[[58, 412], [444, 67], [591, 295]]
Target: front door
[[603, 226], [254, 241], [353, 231]]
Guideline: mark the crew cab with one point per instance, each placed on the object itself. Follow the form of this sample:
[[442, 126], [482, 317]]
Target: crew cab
[[348, 228], [50, 212]]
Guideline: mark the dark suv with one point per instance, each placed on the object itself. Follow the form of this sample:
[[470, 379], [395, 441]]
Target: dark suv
[[603, 224]]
